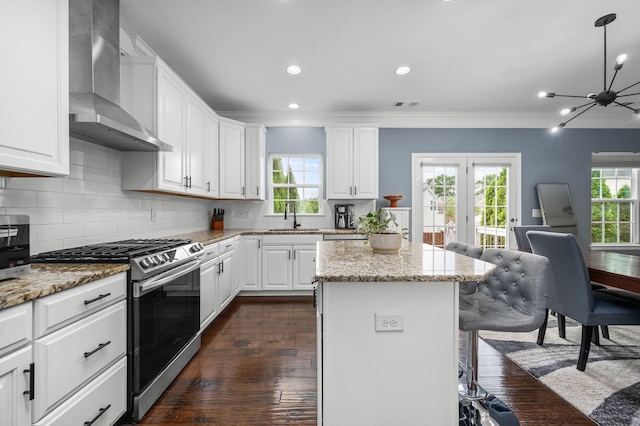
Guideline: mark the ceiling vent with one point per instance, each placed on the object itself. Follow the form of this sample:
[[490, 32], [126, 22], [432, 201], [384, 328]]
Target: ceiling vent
[[405, 104]]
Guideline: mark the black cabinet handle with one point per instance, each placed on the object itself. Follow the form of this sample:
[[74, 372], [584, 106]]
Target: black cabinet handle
[[100, 296], [101, 412], [32, 381], [100, 346]]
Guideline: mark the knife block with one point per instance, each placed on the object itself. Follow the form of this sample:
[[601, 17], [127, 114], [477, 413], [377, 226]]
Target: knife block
[[216, 224]]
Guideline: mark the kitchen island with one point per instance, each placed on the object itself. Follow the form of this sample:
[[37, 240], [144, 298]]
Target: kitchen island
[[388, 333]]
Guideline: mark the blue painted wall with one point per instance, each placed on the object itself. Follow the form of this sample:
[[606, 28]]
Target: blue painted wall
[[296, 140], [564, 157]]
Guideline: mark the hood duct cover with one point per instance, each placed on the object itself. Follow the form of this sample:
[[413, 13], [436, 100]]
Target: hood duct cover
[[94, 80]]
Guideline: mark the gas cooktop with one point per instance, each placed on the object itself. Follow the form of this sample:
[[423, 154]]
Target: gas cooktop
[[147, 257]]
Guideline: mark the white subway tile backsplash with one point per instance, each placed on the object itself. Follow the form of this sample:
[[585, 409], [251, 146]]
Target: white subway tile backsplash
[[60, 199], [90, 207], [60, 231], [82, 215], [115, 214], [39, 216], [36, 184], [18, 198], [100, 228]]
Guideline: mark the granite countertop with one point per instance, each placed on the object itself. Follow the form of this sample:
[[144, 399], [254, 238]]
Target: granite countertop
[[49, 278], [340, 261], [213, 236]]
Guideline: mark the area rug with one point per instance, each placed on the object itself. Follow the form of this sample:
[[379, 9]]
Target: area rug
[[608, 391]]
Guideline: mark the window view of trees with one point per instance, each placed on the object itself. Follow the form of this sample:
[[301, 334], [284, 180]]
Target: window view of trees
[[611, 210], [296, 179]]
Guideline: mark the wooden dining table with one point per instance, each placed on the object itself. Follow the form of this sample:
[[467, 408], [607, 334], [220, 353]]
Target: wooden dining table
[[614, 269]]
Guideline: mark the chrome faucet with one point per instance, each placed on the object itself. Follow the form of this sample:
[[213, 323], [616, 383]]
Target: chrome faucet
[[295, 219]]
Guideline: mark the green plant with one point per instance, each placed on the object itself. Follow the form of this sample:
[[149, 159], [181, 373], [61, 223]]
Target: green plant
[[379, 222]]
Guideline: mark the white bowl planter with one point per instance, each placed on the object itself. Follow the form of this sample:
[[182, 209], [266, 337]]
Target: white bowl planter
[[385, 243]]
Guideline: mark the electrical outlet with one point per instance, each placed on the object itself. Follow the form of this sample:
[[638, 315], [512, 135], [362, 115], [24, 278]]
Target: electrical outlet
[[389, 321], [154, 215], [536, 213]]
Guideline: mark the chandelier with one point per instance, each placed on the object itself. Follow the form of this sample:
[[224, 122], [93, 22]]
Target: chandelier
[[607, 96]]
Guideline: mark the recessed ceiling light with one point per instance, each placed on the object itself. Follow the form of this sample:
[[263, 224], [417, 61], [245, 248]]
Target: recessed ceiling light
[[403, 70], [294, 106], [294, 69]]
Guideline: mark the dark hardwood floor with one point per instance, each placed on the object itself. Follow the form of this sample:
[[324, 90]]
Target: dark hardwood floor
[[257, 366]]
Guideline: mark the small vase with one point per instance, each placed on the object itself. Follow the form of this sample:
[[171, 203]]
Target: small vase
[[393, 200], [385, 243]]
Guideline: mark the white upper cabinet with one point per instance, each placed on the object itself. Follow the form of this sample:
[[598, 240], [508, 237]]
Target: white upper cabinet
[[171, 128], [177, 117], [211, 157], [232, 159], [34, 82], [352, 162], [255, 139]]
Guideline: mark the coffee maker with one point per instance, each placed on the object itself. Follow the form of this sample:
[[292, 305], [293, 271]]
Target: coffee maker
[[345, 216]]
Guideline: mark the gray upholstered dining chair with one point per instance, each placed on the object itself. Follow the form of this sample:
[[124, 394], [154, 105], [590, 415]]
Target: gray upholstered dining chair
[[466, 287], [571, 295], [520, 232], [511, 299], [522, 242]]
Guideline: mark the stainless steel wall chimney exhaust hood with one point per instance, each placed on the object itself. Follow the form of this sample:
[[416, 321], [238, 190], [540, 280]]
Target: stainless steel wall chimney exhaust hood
[[95, 114]]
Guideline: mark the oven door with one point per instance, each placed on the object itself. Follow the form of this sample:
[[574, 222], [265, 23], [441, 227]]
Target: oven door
[[166, 317]]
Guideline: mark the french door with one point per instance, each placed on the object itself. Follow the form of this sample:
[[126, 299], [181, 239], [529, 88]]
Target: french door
[[472, 198]]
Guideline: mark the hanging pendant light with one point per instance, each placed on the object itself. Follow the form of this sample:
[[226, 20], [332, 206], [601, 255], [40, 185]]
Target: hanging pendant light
[[607, 96]]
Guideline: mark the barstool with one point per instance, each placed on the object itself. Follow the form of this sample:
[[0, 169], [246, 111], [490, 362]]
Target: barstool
[[511, 299]]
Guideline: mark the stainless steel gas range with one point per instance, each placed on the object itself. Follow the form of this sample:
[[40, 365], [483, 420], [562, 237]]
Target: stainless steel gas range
[[163, 308]]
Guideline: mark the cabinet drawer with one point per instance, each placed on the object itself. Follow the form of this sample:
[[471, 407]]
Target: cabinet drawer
[[15, 327], [71, 356], [107, 390], [225, 246], [55, 311], [290, 239]]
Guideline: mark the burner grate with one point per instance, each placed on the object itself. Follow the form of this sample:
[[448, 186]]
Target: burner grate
[[112, 252]]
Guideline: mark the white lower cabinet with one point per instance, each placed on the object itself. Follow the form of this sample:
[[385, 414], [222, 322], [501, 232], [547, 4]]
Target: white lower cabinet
[[251, 265], [100, 403], [81, 366], [288, 261], [70, 357], [209, 286], [15, 404], [304, 267], [16, 368], [226, 284]]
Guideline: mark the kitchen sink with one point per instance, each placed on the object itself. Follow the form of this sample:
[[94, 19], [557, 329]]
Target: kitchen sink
[[295, 230]]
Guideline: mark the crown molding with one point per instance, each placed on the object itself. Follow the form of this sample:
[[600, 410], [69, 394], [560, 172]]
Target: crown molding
[[619, 120]]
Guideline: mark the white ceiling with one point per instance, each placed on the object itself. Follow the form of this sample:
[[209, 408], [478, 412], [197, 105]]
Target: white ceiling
[[475, 63]]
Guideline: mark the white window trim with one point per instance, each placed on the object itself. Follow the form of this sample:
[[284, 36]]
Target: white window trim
[[319, 185], [635, 189]]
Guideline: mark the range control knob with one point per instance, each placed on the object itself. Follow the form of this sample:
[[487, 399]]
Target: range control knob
[[196, 248], [145, 263]]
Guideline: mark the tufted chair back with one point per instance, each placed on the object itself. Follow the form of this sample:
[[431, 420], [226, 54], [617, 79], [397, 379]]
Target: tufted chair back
[[466, 287], [464, 248], [512, 298]]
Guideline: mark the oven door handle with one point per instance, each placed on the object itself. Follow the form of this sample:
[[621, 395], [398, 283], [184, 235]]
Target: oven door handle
[[152, 283]]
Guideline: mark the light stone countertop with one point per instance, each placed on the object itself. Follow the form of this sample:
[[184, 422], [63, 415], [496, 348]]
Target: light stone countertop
[[48, 278], [353, 261]]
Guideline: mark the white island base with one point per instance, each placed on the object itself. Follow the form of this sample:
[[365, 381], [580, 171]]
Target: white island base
[[406, 377]]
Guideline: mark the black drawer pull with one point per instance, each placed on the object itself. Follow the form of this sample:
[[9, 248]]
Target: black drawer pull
[[100, 346], [102, 411], [32, 381], [100, 296]]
